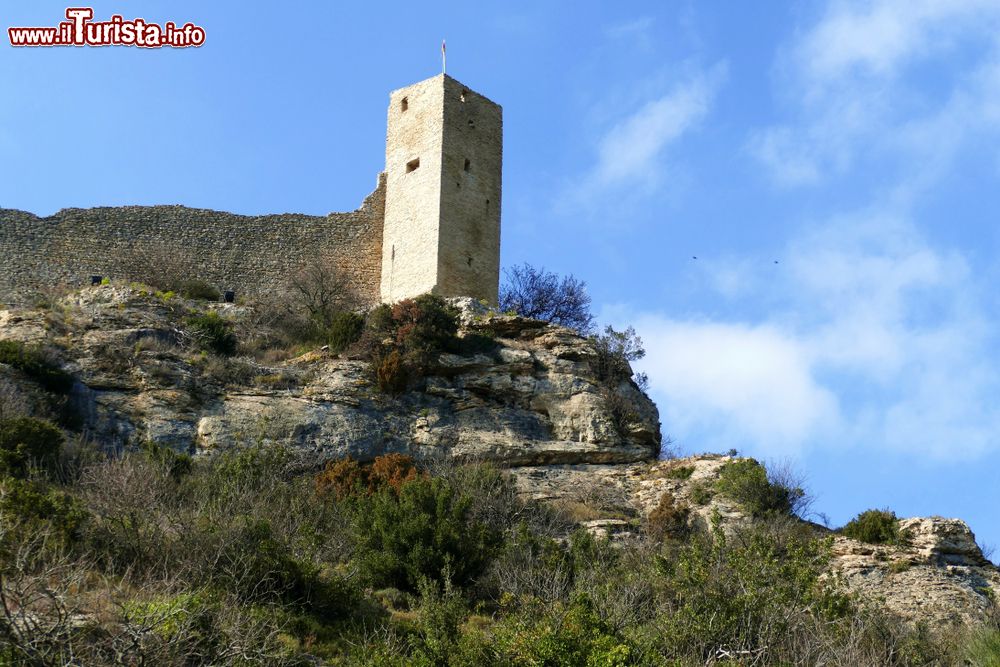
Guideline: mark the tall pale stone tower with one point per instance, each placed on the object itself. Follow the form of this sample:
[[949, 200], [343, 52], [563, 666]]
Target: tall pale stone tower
[[443, 156]]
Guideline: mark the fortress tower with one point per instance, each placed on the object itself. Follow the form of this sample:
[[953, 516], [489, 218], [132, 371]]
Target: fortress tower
[[443, 158]]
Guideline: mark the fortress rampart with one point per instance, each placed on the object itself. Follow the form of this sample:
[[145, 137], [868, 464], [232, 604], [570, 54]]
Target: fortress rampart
[[249, 254], [438, 201]]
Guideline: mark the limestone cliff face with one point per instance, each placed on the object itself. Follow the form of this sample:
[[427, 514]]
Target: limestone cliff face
[[534, 399]]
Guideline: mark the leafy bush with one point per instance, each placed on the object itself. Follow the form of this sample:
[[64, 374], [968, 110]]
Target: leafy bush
[[391, 374], [344, 330], [34, 509], [416, 534], [875, 527], [982, 648], [26, 441], [746, 482], [196, 288], [177, 464], [424, 327], [680, 472], [258, 567], [744, 595], [402, 341], [566, 636], [702, 492], [616, 350], [212, 332], [37, 365], [542, 295]]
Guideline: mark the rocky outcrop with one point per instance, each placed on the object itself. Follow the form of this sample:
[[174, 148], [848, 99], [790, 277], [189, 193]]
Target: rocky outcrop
[[534, 398], [939, 576]]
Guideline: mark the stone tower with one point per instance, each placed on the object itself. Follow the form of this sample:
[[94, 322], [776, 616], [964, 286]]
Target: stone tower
[[443, 157]]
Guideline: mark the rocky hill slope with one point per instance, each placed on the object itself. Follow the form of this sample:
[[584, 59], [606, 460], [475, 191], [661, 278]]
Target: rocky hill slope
[[938, 576], [534, 399], [533, 403]]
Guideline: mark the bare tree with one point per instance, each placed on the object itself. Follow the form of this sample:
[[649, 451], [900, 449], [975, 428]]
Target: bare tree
[[320, 290], [542, 295]]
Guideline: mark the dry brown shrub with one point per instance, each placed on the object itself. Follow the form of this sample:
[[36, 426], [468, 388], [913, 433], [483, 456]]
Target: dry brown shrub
[[347, 477], [391, 470], [669, 520], [391, 374]]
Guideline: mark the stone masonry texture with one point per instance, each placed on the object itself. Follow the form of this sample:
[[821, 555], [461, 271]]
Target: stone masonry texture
[[443, 175], [247, 254]]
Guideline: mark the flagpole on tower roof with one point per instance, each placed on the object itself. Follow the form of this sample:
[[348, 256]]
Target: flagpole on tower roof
[[444, 63]]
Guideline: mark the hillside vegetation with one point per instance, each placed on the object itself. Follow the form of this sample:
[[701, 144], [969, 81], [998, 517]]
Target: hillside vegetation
[[264, 551]]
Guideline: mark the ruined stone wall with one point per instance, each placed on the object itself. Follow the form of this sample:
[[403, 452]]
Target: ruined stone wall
[[250, 254]]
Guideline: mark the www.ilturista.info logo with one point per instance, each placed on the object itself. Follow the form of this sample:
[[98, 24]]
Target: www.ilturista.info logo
[[80, 30]]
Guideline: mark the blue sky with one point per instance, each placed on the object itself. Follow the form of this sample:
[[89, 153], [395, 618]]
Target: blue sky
[[833, 166]]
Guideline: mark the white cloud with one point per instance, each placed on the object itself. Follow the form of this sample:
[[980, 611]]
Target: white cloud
[[878, 38], [637, 28], [879, 341], [632, 150], [744, 381], [855, 89]]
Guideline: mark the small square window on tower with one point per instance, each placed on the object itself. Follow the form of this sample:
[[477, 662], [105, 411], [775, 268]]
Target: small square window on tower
[[404, 104], [412, 165]]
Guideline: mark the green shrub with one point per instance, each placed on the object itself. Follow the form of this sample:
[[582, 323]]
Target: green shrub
[[212, 332], [34, 363], [27, 442], [875, 527], [982, 648], [247, 469], [745, 593], [417, 533], [344, 330], [196, 288], [29, 508], [616, 350], [702, 493], [680, 472], [403, 341], [746, 482], [177, 464], [258, 567], [565, 636]]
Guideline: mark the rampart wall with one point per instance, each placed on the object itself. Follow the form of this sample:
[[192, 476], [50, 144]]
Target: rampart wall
[[249, 254]]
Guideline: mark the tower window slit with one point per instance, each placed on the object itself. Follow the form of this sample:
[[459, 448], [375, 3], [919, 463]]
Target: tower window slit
[[468, 164], [404, 104], [412, 165]]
